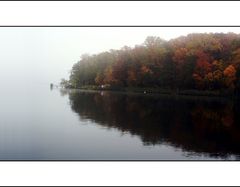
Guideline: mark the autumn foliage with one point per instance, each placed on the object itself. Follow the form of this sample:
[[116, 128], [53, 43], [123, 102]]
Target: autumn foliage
[[196, 61]]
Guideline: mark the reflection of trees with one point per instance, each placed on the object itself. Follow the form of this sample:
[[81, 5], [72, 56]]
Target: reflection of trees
[[206, 126], [64, 92]]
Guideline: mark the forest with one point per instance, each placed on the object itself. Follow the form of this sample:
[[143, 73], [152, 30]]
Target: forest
[[198, 61]]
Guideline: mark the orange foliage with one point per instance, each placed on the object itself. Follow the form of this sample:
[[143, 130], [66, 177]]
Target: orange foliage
[[210, 77], [109, 77], [217, 75], [218, 65], [146, 70], [230, 74], [230, 71], [99, 79], [132, 77], [205, 61], [180, 55], [203, 66], [236, 58]]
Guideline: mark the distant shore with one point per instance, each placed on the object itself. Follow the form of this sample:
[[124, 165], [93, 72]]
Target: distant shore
[[147, 90]]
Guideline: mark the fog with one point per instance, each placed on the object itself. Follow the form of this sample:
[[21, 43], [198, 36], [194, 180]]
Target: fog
[[41, 55]]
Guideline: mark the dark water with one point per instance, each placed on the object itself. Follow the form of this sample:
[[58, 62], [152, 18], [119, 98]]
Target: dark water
[[45, 124]]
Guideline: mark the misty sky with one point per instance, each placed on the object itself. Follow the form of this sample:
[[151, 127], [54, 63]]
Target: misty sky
[[42, 55]]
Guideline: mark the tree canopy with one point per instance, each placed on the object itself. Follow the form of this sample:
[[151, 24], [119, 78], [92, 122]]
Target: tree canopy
[[202, 61]]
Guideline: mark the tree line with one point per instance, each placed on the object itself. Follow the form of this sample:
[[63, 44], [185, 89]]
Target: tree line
[[201, 61]]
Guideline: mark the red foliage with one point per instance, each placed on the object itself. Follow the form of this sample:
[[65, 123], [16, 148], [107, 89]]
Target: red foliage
[[203, 62]]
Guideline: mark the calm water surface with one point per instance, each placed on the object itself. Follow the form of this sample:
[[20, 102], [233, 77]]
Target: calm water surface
[[44, 124]]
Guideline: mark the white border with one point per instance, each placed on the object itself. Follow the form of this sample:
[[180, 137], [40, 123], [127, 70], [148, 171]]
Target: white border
[[119, 13], [120, 173]]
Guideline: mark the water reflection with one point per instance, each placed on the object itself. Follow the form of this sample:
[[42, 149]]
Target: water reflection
[[206, 126]]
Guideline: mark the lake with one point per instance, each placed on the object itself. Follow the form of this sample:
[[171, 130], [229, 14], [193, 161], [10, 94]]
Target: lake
[[53, 124]]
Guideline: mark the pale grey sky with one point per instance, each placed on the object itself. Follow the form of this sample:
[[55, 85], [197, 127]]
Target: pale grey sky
[[46, 54]]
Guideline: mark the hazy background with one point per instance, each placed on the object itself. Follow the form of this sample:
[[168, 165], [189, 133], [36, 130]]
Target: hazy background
[[41, 55]]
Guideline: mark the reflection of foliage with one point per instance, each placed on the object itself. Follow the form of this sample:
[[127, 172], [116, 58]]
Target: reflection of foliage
[[213, 117], [64, 92], [201, 126]]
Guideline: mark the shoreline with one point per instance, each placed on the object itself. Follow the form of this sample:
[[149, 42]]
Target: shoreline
[[161, 91]]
